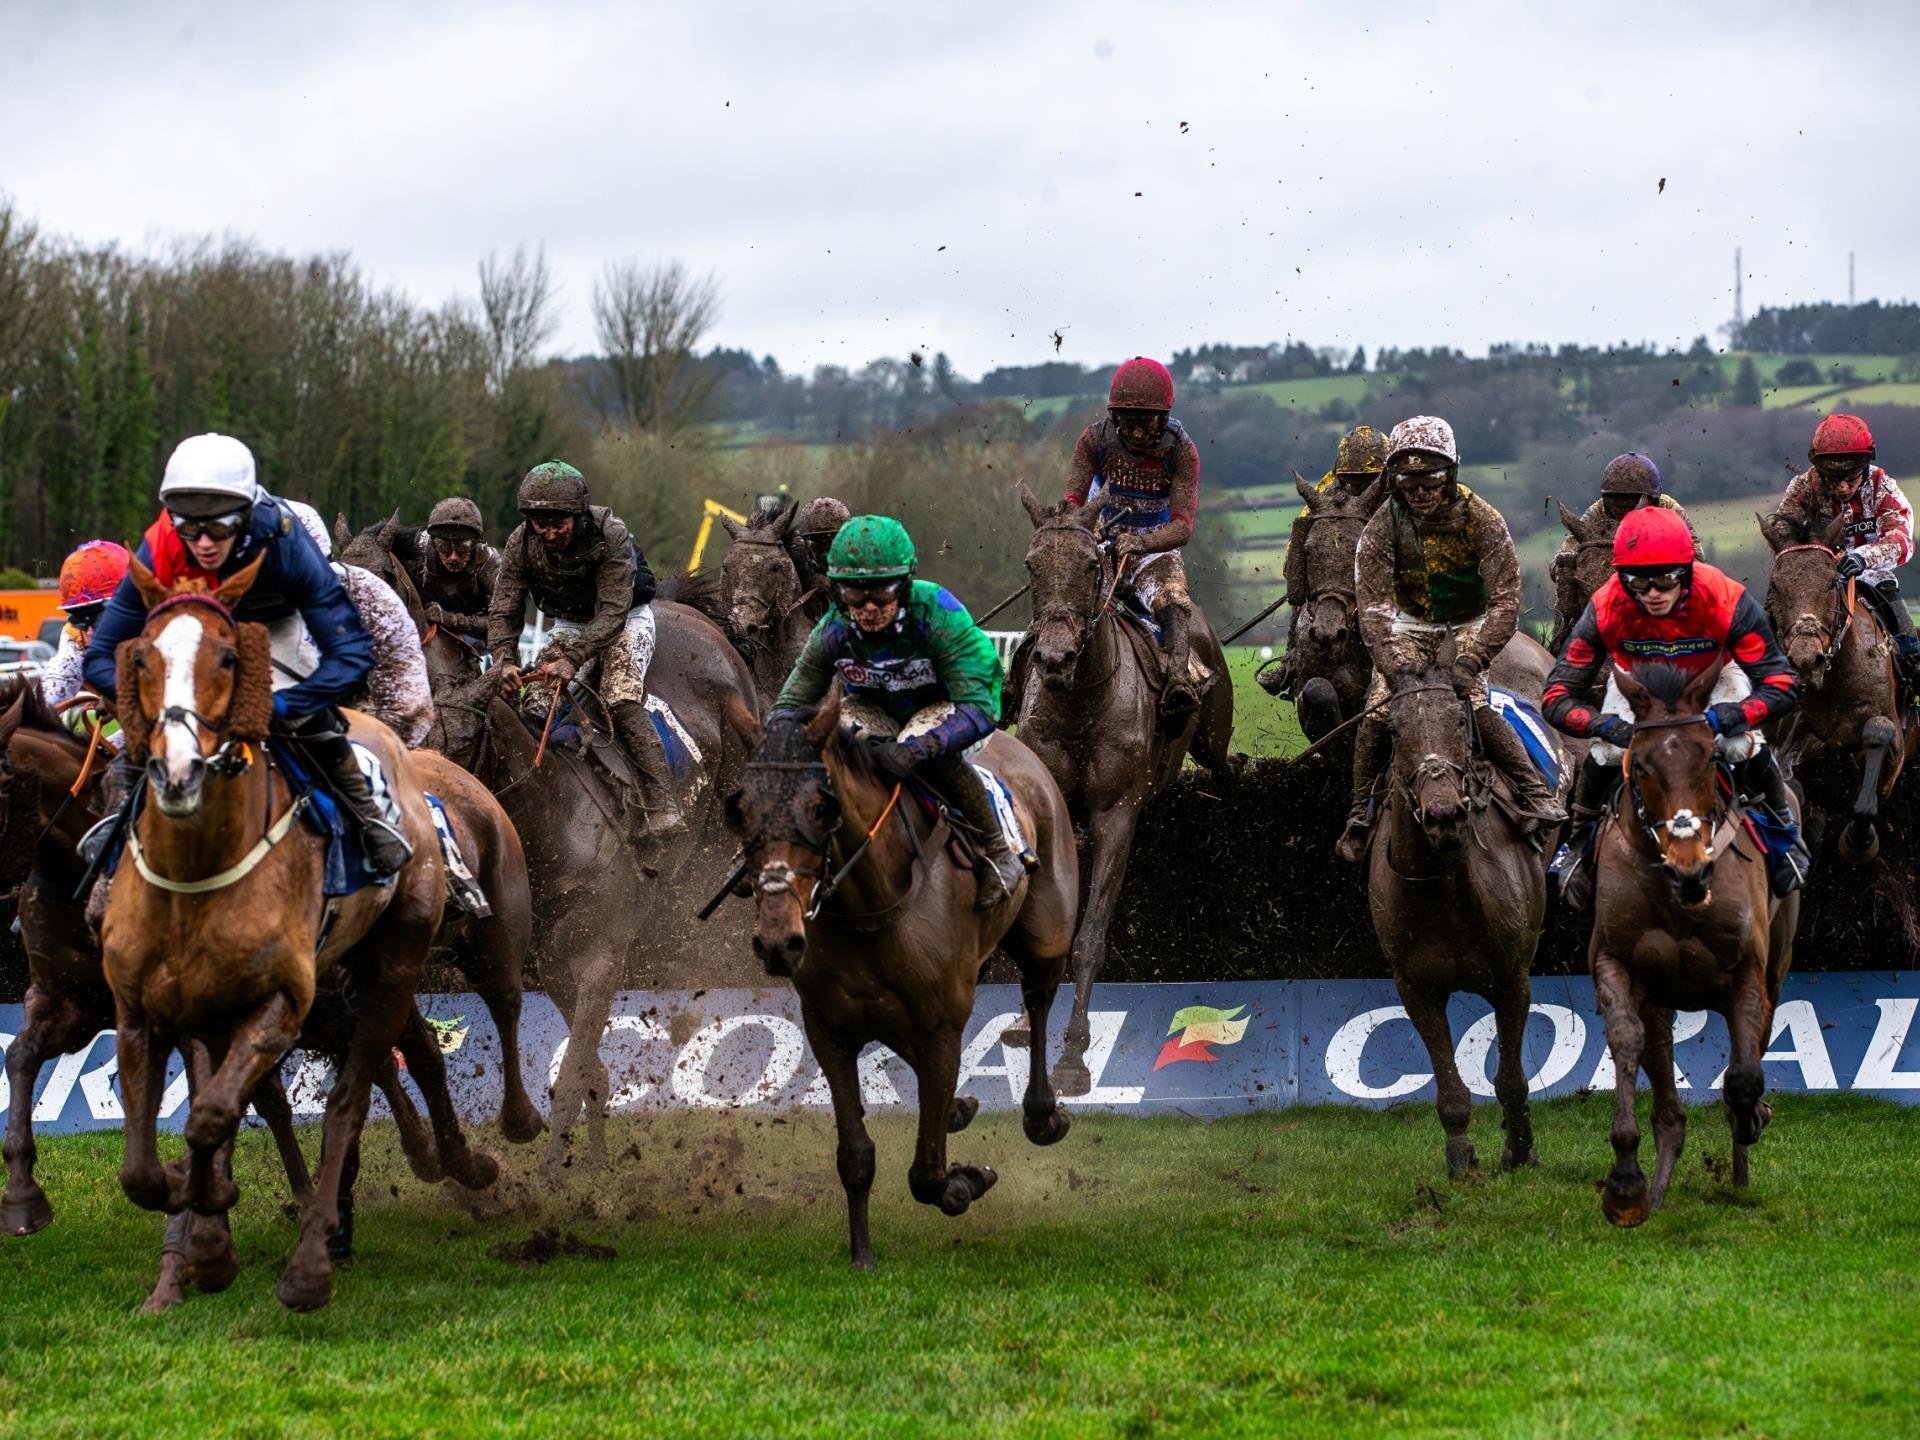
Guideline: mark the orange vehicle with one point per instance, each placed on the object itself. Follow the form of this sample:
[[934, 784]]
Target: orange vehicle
[[31, 615]]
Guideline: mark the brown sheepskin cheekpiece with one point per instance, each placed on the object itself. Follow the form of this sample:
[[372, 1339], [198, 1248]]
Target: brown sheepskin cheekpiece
[[252, 710], [133, 724]]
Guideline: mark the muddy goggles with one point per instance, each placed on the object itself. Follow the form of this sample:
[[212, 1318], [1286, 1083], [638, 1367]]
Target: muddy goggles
[[85, 617], [453, 545], [214, 527], [1839, 469], [858, 594], [1663, 577]]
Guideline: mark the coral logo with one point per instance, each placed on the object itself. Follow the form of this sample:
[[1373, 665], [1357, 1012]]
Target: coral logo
[[1197, 1027], [452, 1033]]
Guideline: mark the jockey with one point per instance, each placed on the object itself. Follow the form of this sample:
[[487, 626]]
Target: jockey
[[1436, 561], [1143, 472], [1361, 458], [217, 519], [1843, 480], [397, 692], [808, 540], [88, 578], [1629, 482], [1662, 605], [1358, 462], [911, 662], [582, 568], [456, 569]]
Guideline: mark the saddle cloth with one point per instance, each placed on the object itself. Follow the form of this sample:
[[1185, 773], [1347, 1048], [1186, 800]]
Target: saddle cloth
[[1542, 745], [684, 756], [463, 891]]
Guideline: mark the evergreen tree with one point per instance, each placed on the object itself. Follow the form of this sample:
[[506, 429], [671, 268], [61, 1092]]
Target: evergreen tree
[[1746, 384]]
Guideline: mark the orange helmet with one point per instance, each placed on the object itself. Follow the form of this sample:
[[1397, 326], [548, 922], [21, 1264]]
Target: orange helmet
[[91, 574]]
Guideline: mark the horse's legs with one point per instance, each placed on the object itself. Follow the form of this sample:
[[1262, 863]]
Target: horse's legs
[[1042, 1115], [1111, 831], [1624, 1197], [936, 1064], [253, 1051], [415, 1141], [583, 1083], [142, 1057], [495, 953], [1428, 1013], [1669, 1115], [1510, 1077], [1860, 841], [1750, 1025], [270, 1099], [54, 1026], [421, 1046], [340, 1243], [853, 1156]]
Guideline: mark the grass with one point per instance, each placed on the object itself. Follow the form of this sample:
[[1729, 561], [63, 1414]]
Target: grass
[[1262, 725], [1305, 1272]]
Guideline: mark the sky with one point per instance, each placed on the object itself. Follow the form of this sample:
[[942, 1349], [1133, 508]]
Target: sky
[[867, 180]]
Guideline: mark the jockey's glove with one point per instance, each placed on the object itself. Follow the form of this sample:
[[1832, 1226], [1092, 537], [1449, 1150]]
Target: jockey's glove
[[1466, 675], [1727, 718], [1851, 564], [891, 759], [1613, 730]]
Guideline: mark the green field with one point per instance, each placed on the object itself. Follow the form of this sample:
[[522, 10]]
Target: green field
[[1306, 1272], [1262, 725]]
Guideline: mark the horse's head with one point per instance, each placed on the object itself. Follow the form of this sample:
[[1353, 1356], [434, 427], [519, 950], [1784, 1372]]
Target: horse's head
[[759, 586], [193, 685], [1431, 726], [20, 788], [1806, 598], [1068, 567], [1335, 518], [1592, 563], [784, 814], [1670, 773]]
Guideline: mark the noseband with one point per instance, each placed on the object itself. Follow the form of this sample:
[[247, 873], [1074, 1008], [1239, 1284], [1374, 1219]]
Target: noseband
[[1088, 614], [1809, 626], [1683, 824], [230, 757], [777, 877]]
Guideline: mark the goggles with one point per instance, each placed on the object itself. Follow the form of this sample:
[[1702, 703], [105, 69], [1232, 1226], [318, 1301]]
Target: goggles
[[217, 527], [1667, 577], [85, 617], [858, 594], [1841, 468], [448, 545]]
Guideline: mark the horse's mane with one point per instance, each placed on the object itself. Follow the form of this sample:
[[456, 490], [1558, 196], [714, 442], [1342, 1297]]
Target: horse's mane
[[1665, 682], [696, 592], [784, 741], [35, 713]]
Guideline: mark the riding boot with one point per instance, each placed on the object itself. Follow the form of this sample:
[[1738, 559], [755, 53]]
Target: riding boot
[[662, 818], [1590, 787], [998, 871], [383, 837], [1532, 796], [1179, 699], [1762, 776], [1906, 645], [1371, 748], [118, 793]]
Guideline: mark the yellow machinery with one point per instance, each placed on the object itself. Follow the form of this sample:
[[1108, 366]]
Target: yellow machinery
[[711, 510]]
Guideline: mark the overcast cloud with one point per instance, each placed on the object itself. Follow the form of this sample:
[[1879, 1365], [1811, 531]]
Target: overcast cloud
[[1348, 173]]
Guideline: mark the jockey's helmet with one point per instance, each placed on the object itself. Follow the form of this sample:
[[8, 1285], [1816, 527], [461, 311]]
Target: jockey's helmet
[[1141, 384], [454, 518], [1630, 474], [1363, 451], [554, 488], [871, 547], [90, 575], [209, 476]]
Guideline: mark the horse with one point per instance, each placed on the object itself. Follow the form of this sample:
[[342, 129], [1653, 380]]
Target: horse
[[1326, 664], [1850, 705], [1089, 710], [216, 930], [1584, 570], [877, 929], [769, 610], [1458, 897], [589, 878], [1683, 919]]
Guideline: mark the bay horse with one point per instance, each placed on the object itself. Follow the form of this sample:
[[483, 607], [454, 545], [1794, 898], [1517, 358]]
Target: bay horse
[[769, 610], [216, 931], [1089, 709], [1683, 920], [1850, 705], [1584, 570], [598, 897], [1457, 897], [1326, 666], [857, 900]]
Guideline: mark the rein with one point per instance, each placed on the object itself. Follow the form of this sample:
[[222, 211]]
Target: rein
[[1682, 824], [777, 877], [1091, 618], [1843, 607]]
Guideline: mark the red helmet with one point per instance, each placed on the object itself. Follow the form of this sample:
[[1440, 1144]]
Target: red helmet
[[1841, 435], [91, 574], [1652, 536], [1141, 384]]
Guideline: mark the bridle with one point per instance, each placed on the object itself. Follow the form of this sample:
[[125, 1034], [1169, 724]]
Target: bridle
[[768, 607], [1432, 766], [1683, 824], [776, 877], [1808, 626], [231, 756], [1089, 615]]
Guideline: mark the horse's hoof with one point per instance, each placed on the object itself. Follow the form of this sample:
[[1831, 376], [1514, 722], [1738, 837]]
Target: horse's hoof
[[25, 1212], [1071, 1077], [965, 1107], [475, 1171], [1747, 1125], [1859, 842], [861, 1263], [1048, 1126], [150, 1191], [210, 1127], [1463, 1161], [966, 1184], [305, 1290], [1626, 1206], [164, 1298], [1507, 1162], [521, 1124], [222, 1195], [214, 1273]]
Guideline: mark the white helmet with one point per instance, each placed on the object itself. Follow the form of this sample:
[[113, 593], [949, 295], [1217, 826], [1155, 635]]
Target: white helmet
[[209, 475]]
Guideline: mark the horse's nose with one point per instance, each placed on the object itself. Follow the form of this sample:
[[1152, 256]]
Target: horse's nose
[[780, 956]]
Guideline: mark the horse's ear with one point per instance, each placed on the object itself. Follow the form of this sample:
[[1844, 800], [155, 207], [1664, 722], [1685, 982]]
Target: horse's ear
[[743, 720], [1371, 497], [10, 721], [1447, 652], [1636, 694], [1308, 495], [390, 531], [1576, 527], [820, 728], [1834, 536], [1776, 529], [733, 527], [1693, 700], [1036, 512], [783, 522], [342, 533], [250, 712], [235, 587], [151, 590]]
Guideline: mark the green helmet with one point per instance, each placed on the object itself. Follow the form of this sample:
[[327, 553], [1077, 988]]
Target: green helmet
[[554, 487], [871, 547]]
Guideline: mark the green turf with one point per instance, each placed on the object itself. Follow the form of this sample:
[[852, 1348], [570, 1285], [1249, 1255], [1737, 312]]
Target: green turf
[[1262, 725], [1296, 1273]]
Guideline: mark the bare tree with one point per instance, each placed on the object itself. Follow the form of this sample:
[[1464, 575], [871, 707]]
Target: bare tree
[[649, 319], [517, 309]]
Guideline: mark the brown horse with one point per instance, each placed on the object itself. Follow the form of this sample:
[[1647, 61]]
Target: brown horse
[[1683, 919], [857, 900], [1089, 708], [1584, 570], [1326, 668], [1458, 897], [769, 612], [1849, 695], [216, 930]]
